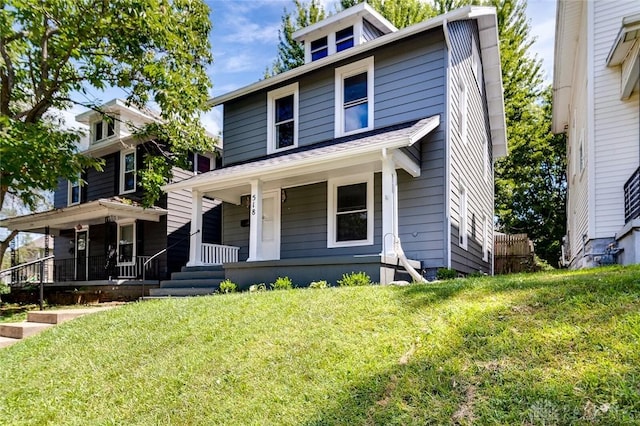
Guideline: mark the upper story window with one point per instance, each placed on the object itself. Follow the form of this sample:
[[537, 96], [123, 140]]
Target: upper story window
[[319, 48], [203, 163], [282, 116], [103, 129], [354, 97], [127, 171], [344, 39], [74, 191], [463, 111], [350, 211]]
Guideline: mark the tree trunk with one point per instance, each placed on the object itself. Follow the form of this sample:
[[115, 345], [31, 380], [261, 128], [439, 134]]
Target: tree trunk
[[4, 245]]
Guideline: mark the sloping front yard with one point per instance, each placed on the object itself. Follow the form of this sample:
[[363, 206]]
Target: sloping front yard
[[558, 348]]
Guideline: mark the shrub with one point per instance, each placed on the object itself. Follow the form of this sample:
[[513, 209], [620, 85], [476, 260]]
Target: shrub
[[282, 284], [257, 287], [319, 284], [476, 274], [227, 286], [446, 274], [354, 279]]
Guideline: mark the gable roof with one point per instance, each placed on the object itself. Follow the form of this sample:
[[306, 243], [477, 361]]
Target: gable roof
[[489, 47]]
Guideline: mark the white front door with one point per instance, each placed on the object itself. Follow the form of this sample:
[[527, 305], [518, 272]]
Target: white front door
[[270, 238]]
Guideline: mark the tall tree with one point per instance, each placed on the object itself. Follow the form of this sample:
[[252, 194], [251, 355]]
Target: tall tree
[[52, 52], [290, 52]]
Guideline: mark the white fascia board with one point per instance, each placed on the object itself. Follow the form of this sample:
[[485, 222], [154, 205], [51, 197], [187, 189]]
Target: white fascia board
[[621, 47], [455, 15], [114, 105]]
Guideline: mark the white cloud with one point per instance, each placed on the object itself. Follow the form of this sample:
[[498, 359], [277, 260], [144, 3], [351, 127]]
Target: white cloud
[[212, 121], [238, 63], [248, 32]]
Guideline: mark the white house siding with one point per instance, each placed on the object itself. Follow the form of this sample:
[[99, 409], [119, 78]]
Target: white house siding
[[468, 159], [578, 180], [616, 124]]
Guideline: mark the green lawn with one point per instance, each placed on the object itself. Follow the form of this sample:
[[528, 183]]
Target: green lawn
[[553, 348]]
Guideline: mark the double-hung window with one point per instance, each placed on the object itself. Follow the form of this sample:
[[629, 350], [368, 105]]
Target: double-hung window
[[344, 39], [354, 97], [126, 242], [319, 48], [75, 190], [282, 115], [350, 211], [127, 171]]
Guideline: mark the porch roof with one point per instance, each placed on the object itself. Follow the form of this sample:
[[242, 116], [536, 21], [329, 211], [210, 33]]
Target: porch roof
[[91, 213], [305, 165]]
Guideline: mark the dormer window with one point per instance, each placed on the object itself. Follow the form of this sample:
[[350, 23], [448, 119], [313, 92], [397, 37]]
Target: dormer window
[[344, 39], [282, 116], [103, 129], [319, 48]]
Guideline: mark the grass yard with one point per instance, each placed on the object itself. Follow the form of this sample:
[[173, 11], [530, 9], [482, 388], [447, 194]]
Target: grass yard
[[539, 349]]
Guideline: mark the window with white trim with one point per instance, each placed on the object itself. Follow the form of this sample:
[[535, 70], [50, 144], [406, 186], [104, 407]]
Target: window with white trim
[[127, 242], [319, 48], [354, 97], [462, 111], [476, 66], [74, 193], [127, 171], [350, 211], [282, 116], [344, 39], [462, 217], [103, 129]]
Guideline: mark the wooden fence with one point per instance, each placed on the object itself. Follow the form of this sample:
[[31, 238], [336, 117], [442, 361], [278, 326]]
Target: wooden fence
[[513, 253]]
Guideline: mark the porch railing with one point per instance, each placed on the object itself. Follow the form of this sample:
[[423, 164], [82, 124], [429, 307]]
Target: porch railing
[[216, 254], [95, 268], [29, 273], [632, 197]]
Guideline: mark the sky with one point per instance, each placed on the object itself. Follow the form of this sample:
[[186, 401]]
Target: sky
[[244, 43]]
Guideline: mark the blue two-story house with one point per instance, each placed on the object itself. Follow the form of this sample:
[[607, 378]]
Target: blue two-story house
[[376, 155], [103, 235]]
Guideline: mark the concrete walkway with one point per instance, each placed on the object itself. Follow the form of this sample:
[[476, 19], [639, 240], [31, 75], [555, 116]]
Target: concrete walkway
[[37, 321]]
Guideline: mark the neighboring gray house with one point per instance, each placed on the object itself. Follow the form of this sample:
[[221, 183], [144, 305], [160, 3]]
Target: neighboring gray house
[[102, 210], [380, 146]]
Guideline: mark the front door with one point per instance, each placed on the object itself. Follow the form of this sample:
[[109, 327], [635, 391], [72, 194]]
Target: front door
[[82, 251], [270, 226]]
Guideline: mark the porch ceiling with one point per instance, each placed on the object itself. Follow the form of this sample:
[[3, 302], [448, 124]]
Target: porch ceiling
[[91, 213], [301, 167]]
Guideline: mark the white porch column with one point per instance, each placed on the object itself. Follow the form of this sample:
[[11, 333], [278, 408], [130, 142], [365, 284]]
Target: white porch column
[[389, 204], [255, 221], [195, 242]]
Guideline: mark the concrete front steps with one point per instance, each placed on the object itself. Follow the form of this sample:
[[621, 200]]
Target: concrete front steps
[[190, 281], [37, 321]]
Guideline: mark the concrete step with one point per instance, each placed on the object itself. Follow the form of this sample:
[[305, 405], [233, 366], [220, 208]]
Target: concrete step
[[181, 292], [7, 341], [20, 330], [62, 315], [197, 275], [202, 282], [202, 268]]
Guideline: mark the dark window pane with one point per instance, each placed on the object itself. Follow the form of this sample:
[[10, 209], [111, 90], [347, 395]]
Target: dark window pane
[[319, 54], [344, 45], [355, 87], [129, 181], [346, 33], [98, 131], [352, 197], [356, 117], [204, 164], [284, 134], [351, 226], [110, 129], [129, 162], [319, 43], [75, 194], [319, 48], [284, 108]]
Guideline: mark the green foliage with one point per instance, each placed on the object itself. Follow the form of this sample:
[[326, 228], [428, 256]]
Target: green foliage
[[282, 283], [290, 52], [155, 50], [228, 286], [477, 274], [401, 13], [354, 279], [319, 284], [446, 274]]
